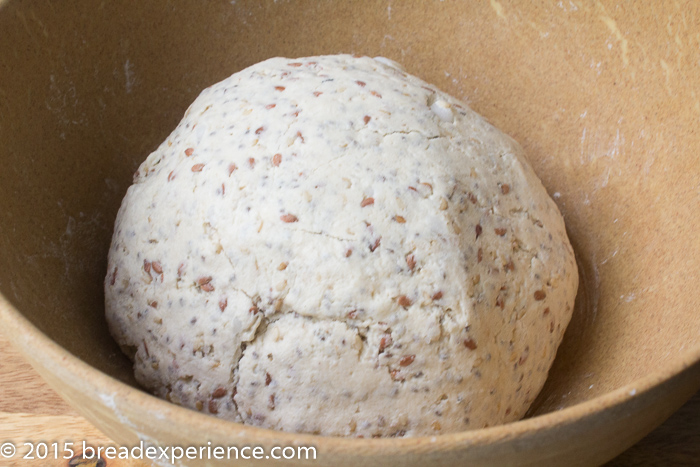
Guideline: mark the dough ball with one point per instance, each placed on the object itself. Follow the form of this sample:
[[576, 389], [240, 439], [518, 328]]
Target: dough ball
[[331, 245]]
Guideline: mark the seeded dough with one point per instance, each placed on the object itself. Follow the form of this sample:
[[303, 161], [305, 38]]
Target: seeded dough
[[330, 245]]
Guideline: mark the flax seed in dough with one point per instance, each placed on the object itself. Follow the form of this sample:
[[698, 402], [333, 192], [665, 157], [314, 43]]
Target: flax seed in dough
[[331, 245]]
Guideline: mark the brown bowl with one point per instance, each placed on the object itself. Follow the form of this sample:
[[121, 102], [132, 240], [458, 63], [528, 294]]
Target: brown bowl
[[603, 98]]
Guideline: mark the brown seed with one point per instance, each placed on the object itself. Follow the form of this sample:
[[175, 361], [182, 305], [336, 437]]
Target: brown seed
[[407, 360], [147, 266], [199, 405], [153, 304], [505, 188], [396, 375], [385, 342], [219, 393], [500, 303], [478, 230], [362, 84], [294, 64], [300, 136], [404, 301], [271, 405], [171, 175], [545, 312], [437, 295], [376, 94], [231, 168], [213, 406], [268, 379], [223, 189], [377, 242], [436, 425], [367, 202], [204, 284], [367, 119], [259, 130], [254, 309], [540, 295], [400, 219], [223, 303], [411, 261], [472, 197], [289, 218], [317, 93], [508, 411], [279, 88], [145, 347], [157, 267], [251, 162], [470, 344], [348, 253], [479, 255], [270, 106], [189, 151], [197, 167], [277, 159], [500, 231], [510, 266], [352, 314], [204, 280]]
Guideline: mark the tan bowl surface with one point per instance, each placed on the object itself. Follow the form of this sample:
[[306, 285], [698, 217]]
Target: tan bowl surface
[[602, 97]]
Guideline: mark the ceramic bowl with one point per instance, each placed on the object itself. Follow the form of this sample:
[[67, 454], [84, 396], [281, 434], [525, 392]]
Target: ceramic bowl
[[605, 100]]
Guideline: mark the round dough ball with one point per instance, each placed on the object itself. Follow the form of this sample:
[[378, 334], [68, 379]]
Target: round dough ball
[[331, 245]]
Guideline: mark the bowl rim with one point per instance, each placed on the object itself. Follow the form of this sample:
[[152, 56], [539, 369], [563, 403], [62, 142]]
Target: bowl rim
[[42, 349]]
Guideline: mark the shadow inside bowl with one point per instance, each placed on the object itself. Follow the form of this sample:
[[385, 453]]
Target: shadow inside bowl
[[556, 393]]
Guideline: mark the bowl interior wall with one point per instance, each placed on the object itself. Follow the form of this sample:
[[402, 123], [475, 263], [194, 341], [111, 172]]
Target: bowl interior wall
[[601, 98]]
